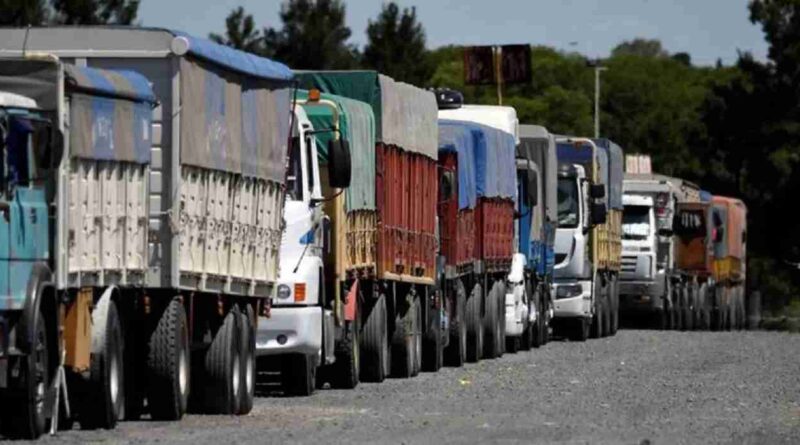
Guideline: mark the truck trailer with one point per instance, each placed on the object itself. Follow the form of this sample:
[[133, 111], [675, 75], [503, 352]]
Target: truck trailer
[[588, 239], [384, 241], [478, 241], [528, 297], [173, 258]]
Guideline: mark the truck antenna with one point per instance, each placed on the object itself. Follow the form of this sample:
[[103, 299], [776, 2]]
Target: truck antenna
[[25, 42]]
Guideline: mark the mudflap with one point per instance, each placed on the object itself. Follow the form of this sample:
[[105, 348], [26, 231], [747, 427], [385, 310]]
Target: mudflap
[[351, 302]]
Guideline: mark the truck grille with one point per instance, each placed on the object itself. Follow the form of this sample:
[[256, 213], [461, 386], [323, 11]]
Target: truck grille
[[629, 264]]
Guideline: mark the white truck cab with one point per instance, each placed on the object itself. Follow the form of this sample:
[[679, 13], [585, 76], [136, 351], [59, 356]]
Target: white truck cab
[[640, 274], [294, 330], [573, 271]]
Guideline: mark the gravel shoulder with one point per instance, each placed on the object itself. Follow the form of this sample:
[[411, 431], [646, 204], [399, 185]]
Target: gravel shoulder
[[661, 387]]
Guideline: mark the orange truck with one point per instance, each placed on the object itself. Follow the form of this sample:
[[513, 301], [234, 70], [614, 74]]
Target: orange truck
[[711, 246]]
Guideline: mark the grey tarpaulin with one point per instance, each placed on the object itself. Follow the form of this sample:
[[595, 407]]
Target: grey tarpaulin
[[537, 144], [233, 123], [616, 171]]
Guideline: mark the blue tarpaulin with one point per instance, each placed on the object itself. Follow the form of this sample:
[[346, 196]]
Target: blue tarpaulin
[[236, 60], [456, 137], [111, 114], [495, 162]]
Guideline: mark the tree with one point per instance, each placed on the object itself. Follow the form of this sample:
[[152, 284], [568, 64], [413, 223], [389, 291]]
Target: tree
[[314, 36], [396, 45], [640, 47], [241, 33], [23, 12], [95, 12]]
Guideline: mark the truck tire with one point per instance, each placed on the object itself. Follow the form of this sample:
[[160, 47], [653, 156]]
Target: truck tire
[[580, 329], [607, 312], [417, 331], [491, 325], [456, 351], [688, 315], [599, 309], [104, 400], [474, 325], [614, 305], [168, 364], [404, 341], [25, 412], [375, 344], [539, 328], [223, 375], [705, 308], [298, 375], [433, 344], [661, 317], [344, 373], [248, 356], [501, 318]]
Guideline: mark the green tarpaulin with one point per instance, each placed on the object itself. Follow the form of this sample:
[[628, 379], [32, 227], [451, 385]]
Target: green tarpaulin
[[357, 125]]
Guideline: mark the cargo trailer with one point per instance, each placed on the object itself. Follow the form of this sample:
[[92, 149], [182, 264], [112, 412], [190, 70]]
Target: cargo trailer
[[385, 238], [205, 213], [475, 278], [729, 218]]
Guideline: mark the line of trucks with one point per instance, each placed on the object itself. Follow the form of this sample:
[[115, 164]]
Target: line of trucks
[[179, 218]]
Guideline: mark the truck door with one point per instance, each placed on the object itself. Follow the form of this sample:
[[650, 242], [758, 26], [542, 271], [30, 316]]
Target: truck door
[[27, 210]]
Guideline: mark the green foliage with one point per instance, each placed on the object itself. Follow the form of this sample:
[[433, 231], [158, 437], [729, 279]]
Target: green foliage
[[95, 12], [396, 45], [313, 36], [640, 47], [23, 12], [241, 33], [68, 12]]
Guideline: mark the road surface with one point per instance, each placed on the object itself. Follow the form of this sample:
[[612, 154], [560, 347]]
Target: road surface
[[638, 387]]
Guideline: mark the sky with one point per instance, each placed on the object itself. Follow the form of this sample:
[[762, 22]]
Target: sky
[[706, 29]]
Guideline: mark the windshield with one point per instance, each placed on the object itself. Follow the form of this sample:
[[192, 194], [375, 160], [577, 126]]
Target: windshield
[[567, 203], [636, 222]]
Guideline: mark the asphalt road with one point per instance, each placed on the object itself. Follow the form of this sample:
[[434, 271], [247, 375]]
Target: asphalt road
[[638, 387]]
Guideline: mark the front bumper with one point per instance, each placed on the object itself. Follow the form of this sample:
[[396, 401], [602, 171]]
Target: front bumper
[[576, 306], [641, 295], [290, 330]]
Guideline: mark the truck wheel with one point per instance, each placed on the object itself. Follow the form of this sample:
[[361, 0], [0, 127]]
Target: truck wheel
[[501, 318], [298, 375], [607, 311], [26, 412], [539, 329], [614, 306], [580, 329], [491, 325], [168, 364], [223, 375], [597, 318], [247, 354], [456, 352], [344, 373], [404, 341], [705, 310], [417, 331], [375, 344], [432, 344], [687, 310], [105, 397], [661, 317], [474, 325]]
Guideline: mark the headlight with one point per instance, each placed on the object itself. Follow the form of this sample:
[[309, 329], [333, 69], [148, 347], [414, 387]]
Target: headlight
[[284, 291], [569, 291]]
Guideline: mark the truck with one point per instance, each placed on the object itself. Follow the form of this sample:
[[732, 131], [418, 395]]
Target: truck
[[44, 329], [477, 237], [306, 338], [729, 232], [166, 263], [588, 239], [384, 228], [657, 284], [528, 297]]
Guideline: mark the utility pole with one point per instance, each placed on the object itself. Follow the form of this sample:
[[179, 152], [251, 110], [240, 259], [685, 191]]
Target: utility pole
[[597, 70]]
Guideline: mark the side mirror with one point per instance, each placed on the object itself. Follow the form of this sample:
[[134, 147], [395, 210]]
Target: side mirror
[[339, 167], [446, 186], [597, 191], [599, 213]]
